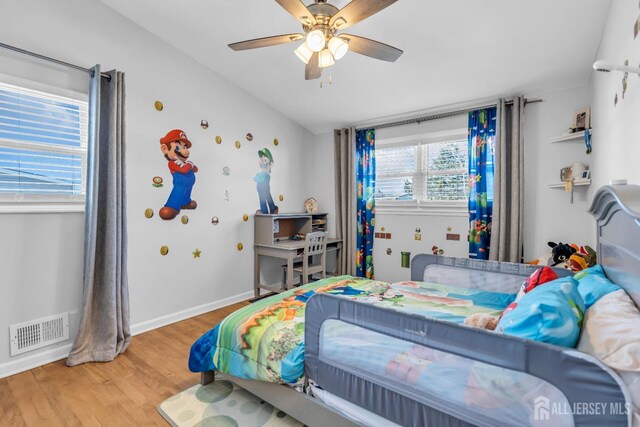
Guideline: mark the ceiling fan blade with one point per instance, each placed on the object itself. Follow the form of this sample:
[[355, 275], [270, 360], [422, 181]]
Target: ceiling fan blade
[[372, 48], [356, 11], [299, 11], [265, 41], [312, 71]]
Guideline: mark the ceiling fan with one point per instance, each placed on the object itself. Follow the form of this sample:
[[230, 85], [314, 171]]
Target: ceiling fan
[[323, 44]]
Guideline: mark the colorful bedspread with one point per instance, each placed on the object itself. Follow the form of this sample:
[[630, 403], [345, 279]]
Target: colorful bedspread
[[265, 340]]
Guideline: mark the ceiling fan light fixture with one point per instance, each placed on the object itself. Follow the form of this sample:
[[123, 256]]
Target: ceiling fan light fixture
[[338, 47], [316, 40], [339, 22], [304, 53], [325, 58]]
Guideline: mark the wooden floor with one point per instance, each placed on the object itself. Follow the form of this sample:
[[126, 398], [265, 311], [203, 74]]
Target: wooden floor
[[124, 392]]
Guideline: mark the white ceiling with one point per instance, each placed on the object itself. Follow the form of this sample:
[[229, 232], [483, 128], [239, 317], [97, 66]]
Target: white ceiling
[[454, 51]]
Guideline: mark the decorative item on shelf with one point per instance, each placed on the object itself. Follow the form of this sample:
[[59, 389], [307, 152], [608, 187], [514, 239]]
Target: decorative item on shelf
[[576, 170], [582, 119], [311, 205], [587, 140], [566, 174]]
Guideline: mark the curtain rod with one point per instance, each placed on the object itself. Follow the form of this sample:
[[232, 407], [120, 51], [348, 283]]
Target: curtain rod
[[419, 120], [56, 61]]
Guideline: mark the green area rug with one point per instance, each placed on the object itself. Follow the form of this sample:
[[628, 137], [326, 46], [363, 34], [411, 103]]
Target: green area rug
[[222, 404]]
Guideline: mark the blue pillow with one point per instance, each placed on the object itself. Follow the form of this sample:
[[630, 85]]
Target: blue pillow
[[550, 313], [593, 285]]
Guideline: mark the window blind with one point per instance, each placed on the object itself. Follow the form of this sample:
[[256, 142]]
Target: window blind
[[43, 144], [395, 170], [434, 171]]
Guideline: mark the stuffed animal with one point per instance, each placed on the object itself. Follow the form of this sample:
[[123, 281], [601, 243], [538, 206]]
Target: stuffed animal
[[561, 252], [585, 257], [482, 321]]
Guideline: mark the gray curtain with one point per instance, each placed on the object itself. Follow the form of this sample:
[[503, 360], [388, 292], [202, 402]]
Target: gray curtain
[[508, 194], [104, 325], [344, 145]]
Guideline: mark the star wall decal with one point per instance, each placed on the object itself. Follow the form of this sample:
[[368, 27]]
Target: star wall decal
[[196, 253]]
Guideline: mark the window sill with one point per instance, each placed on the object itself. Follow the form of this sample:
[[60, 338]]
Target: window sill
[[41, 206], [413, 207]]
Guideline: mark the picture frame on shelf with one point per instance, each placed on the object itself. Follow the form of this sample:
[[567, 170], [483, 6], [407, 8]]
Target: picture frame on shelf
[[582, 119]]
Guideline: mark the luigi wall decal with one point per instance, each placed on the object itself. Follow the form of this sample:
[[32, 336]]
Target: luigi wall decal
[[263, 179], [175, 146]]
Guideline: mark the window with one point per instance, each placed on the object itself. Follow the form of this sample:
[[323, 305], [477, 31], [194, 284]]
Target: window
[[425, 172], [43, 147]]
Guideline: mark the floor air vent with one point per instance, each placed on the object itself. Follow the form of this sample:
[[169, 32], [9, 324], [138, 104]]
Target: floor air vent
[[39, 333]]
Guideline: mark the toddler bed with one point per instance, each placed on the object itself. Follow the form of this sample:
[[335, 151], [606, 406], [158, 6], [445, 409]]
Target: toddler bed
[[399, 350]]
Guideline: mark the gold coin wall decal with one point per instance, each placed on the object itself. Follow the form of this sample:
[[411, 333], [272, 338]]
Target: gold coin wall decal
[[218, 139], [148, 213], [164, 250], [245, 217], [275, 141], [158, 105], [240, 246], [184, 219], [281, 198], [237, 144]]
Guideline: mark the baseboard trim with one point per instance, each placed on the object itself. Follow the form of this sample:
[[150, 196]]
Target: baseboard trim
[[168, 319], [23, 364]]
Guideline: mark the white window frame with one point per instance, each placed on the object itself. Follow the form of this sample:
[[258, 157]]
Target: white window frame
[[420, 206], [45, 203]]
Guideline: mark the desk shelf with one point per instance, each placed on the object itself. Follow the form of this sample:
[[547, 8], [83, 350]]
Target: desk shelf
[[270, 229]]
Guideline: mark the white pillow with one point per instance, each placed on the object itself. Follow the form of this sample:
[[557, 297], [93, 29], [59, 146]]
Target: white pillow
[[611, 333]]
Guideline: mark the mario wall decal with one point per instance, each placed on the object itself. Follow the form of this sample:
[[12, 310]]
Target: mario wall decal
[[175, 146], [263, 179]]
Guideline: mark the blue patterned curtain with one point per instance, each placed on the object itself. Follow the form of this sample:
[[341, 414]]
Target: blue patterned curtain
[[482, 136], [365, 205]]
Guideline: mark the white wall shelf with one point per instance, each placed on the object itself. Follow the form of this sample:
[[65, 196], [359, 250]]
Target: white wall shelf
[[577, 136], [576, 183]]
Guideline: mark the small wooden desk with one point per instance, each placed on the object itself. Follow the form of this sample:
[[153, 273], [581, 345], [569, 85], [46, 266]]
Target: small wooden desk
[[289, 250]]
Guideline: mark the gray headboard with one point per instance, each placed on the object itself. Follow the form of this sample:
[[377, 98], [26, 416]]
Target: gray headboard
[[617, 213]]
